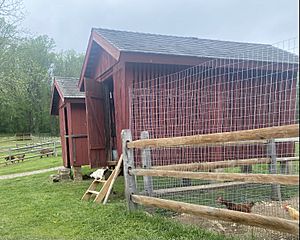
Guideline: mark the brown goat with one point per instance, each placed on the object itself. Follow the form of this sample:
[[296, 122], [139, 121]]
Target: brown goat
[[47, 152], [14, 158]]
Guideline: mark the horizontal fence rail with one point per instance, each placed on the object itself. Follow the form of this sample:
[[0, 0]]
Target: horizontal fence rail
[[26, 146], [274, 223], [244, 135], [222, 164], [244, 177], [267, 137]]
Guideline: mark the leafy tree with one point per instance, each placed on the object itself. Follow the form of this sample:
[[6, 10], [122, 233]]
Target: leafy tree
[[68, 63], [25, 84]]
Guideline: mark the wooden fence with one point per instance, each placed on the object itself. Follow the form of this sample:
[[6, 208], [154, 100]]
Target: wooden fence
[[29, 151], [180, 171]]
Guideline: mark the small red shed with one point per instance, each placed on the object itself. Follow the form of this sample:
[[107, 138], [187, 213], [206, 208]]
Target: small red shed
[[69, 103], [116, 61]]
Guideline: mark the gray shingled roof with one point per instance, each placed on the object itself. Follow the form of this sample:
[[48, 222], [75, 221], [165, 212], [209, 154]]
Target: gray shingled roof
[[192, 46], [68, 87]]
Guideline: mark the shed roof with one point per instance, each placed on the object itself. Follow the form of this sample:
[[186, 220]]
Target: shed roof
[[126, 41], [64, 88], [68, 87], [186, 50]]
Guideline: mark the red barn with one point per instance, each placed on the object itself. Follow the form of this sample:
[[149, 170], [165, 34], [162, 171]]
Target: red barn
[[116, 61], [69, 103]]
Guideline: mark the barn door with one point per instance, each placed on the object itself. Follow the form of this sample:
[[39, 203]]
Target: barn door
[[97, 106]]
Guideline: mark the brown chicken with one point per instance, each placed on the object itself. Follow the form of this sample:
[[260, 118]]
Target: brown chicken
[[294, 214], [241, 207]]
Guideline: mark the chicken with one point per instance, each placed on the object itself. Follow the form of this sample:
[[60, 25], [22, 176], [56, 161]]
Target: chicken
[[98, 174], [241, 207], [294, 214]]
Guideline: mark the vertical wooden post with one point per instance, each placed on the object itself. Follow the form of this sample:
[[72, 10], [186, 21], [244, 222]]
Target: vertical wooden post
[[9, 154], [128, 164], [54, 149], [271, 149], [286, 167], [146, 161]]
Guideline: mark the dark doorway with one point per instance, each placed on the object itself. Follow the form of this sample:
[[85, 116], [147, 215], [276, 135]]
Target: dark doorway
[[67, 138], [109, 88]]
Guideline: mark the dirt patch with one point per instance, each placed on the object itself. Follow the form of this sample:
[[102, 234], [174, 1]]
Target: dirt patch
[[272, 208], [16, 175]]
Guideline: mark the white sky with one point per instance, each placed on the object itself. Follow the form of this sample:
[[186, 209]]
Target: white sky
[[69, 22]]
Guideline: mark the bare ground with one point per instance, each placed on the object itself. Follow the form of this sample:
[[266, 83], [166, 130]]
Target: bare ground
[[16, 175], [272, 208]]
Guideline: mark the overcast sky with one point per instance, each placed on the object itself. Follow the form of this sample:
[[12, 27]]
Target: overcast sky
[[69, 22]]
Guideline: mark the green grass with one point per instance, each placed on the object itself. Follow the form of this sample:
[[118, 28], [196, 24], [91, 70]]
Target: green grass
[[297, 149], [31, 165], [35, 208]]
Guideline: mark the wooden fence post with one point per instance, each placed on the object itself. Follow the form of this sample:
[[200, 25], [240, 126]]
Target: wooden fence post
[[54, 149], [146, 161], [271, 150], [128, 164], [286, 167], [9, 154]]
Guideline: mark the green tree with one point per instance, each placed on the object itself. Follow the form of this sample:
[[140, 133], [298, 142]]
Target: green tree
[[68, 63], [25, 84]]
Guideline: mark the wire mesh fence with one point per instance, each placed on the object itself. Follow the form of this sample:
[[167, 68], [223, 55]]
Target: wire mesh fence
[[257, 89]]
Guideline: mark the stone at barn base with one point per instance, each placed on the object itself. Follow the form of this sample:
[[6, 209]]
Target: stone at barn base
[[63, 174], [77, 174]]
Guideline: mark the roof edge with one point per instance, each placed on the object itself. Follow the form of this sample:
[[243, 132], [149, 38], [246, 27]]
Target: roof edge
[[103, 43]]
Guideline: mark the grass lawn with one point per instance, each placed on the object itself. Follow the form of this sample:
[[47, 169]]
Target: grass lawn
[[31, 165], [35, 208]]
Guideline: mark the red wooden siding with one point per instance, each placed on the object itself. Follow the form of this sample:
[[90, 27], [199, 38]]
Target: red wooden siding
[[62, 133], [122, 120], [124, 79], [97, 125], [215, 101], [102, 63], [75, 115], [78, 127]]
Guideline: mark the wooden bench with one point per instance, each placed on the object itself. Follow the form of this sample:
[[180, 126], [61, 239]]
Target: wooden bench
[[23, 136]]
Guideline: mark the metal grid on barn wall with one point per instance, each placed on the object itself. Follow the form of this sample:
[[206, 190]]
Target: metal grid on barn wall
[[255, 90]]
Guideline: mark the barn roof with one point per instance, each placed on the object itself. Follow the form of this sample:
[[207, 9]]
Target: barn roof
[[64, 88], [126, 41], [68, 87], [184, 50]]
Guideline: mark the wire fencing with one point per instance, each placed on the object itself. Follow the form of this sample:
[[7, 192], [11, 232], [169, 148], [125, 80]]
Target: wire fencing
[[255, 90]]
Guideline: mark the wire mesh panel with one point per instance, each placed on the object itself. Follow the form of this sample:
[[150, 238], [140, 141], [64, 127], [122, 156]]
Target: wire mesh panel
[[258, 89]]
